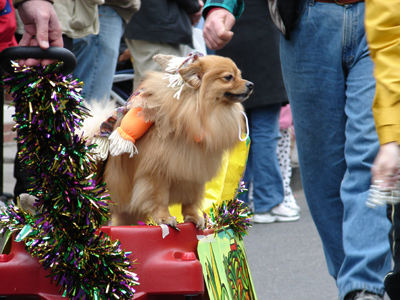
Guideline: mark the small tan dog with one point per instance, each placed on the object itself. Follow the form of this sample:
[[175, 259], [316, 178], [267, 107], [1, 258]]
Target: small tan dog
[[183, 149]]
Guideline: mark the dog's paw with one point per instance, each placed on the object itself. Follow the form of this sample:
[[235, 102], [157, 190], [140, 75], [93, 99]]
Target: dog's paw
[[167, 220], [196, 219]]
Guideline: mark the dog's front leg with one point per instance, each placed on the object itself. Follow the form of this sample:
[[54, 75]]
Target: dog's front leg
[[159, 202], [162, 216], [191, 195], [191, 214]]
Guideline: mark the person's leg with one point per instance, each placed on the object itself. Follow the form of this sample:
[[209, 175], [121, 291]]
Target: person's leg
[[97, 55], [319, 120], [262, 166], [283, 153], [142, 55], [365, 230], [312, 63], [392, 279]]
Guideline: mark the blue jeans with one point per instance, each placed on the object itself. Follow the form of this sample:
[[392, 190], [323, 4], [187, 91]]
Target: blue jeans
[[97, 55], [263, 165], [329, 79]]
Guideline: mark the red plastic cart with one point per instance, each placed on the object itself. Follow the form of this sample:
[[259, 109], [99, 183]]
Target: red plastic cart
[[168, 268]]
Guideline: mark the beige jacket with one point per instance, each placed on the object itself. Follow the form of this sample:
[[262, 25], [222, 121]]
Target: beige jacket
[[78, 18], [125, 8]]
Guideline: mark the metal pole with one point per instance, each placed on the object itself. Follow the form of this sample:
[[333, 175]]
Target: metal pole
[[3, 196]]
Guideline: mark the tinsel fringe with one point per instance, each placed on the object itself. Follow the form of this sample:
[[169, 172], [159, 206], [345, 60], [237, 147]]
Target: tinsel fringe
[[118, 145], [100, 153]]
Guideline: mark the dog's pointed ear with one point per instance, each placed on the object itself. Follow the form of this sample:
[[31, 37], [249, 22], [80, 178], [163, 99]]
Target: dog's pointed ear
[[192, 74], [163, 60]]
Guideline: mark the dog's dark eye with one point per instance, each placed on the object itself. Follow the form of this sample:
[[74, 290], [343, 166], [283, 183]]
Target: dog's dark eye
[[229, 78]]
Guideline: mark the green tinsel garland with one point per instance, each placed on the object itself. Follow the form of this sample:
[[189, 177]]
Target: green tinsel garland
[[233, 213], [63, 234]]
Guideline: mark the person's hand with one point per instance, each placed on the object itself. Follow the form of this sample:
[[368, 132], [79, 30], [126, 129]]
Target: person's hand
[[385, 169], [42, 28], [217, 28], [124, 55], [195, 18]]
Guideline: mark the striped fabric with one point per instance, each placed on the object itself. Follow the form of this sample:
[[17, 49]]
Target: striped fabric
[[275, 16]]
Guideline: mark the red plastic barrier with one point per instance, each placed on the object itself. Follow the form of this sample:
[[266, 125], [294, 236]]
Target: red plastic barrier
[[168, 268]]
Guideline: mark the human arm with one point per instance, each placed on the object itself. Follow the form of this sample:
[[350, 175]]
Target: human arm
[[385, 169], [41, 25], [235, 7], [383, 33], [220, 18], [195, 17]]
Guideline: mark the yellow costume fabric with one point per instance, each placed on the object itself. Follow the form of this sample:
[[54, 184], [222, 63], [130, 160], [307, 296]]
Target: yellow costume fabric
[[225, 185], [382, 22]]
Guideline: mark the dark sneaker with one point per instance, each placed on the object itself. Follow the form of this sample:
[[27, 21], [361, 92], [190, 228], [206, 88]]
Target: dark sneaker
[[362, 295]]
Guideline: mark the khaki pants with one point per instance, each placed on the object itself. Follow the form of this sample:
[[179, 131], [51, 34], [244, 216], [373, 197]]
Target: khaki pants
[[142, 55]]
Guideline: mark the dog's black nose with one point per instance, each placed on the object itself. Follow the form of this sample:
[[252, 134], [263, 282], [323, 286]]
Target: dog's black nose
[[250, 85]]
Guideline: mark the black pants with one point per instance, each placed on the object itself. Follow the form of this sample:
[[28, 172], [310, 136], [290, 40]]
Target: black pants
[[392, 279]]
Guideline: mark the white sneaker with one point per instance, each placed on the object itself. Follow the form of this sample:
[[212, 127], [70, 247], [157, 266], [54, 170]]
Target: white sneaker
[[279, 213], [290, 202], [263, 218]]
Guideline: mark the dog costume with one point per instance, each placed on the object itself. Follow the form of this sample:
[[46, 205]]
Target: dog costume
[[134, 123]]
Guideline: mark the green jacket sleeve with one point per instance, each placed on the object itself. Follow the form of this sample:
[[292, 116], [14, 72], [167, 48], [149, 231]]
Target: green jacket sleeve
[[236, 7]]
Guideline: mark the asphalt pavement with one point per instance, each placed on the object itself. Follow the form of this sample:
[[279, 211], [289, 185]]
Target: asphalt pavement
[[287, 261]]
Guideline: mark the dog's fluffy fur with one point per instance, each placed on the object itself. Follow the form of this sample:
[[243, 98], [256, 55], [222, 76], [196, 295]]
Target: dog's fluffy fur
[[171, 166], [100, 110]]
